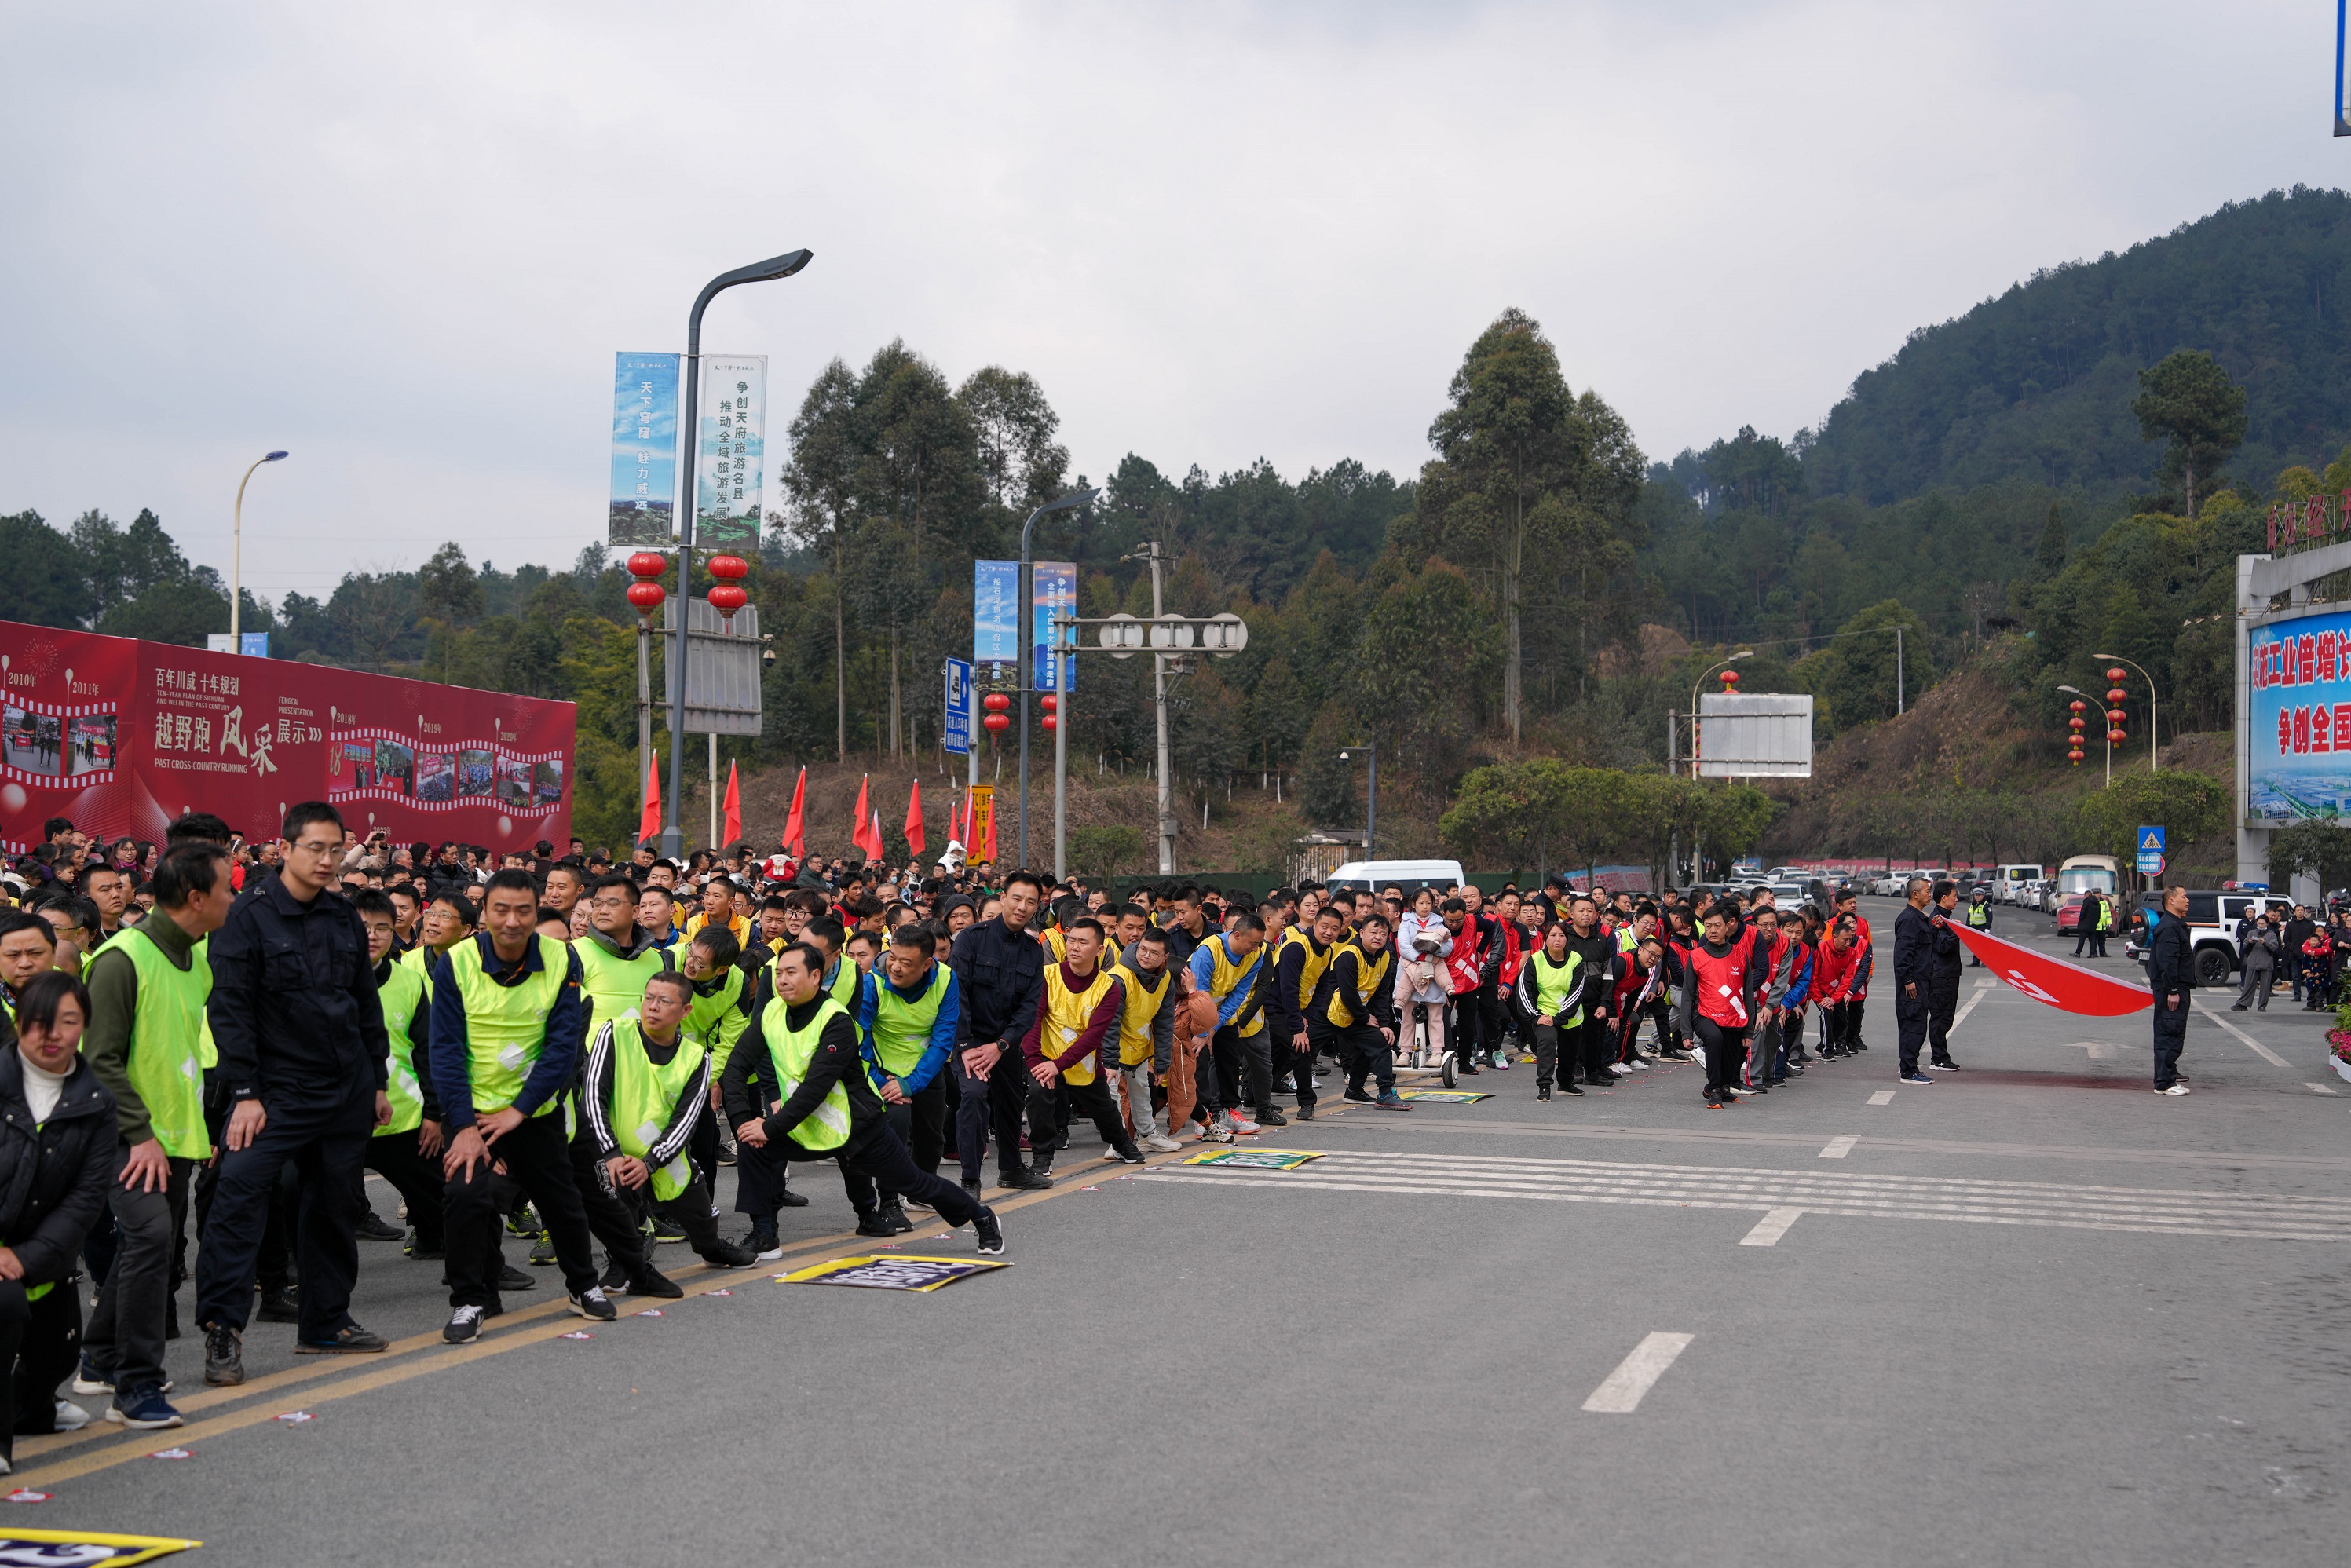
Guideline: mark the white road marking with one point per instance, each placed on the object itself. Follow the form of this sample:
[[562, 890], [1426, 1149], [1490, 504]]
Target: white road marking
[[2264, 1052], [1883, 1097], [1770, 1228], [1979, 995], [1986, 985], [1621, 1391], [2321, 1088], [1839, 1146]]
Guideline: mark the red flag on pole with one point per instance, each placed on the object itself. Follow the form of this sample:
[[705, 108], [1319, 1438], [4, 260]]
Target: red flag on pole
[[648, 826], [857, 833], [795, 832], [914, 820], [734, 808], [2068, 987], [873, 837]]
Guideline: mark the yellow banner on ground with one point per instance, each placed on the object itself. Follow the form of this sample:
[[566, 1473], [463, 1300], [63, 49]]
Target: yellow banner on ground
[[32, 1548]]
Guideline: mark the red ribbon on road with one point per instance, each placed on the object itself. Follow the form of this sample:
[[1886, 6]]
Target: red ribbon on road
[[2068, 987]]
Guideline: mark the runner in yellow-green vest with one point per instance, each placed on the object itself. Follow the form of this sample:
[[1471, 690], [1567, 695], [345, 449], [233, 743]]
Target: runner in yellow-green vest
[[1550, 996], [647, 1088], [716, 1014], [147, 1005], [405, 1150], [908, 1010], [506, 1039], [823, 1106]]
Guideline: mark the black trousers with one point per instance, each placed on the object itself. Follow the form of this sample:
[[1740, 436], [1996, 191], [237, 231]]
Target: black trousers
[[415, 1176], [1598, 1036], [1726, 1054], [1301, 1064], [2170, 1036], [921, 1125], [990, 1104], [880, 1160], [1942, 1007], [324, 1135], [1049, 1115], [613, 1213], [1910, 1019], [1250, 1061], [691, 1211], [1366, 1053], [1854, 1008], [40, 1343], [474, 1206], [759, 1183]]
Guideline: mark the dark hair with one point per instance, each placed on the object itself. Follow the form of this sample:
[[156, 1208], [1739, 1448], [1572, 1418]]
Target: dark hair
[[862, 934], [1942, 886], [404, 890], [17, 920], [56, 825], [513, 879], [79, 910], [1453, 906], [457, 901], [811, 956], [372, 900], [720, 944], [1375, 919], [1137, 910], [303, 813], [648, 889], [192, 868], [1247, 921], [825, 929], [914, 934], [725, 882], [37, 1004], [780, 903], [1087, 923], [673, 978], [1152, 934], [1580, 897], [196, 827], [610, 880], [868, 906], [1032, 878], [569, 867], [547, 911]]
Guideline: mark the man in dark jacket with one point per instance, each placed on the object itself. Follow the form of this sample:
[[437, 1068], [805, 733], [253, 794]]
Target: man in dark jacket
[[1943, 996], [1914, 976], [2170, 962], [2298, 932], [56, 1162], [294, 1014], [1000, 970]]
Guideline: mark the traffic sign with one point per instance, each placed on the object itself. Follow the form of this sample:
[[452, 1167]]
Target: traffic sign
[[2150, 862], [2150, 840]]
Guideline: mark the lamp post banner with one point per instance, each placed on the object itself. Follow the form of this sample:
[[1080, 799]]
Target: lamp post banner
[[121, 736], [996, 623], [643, 509], [956, 731], [731, 453], [1056, 595]]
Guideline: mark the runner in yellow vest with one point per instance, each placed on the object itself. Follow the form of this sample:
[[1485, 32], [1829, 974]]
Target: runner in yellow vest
[[648, 1083], [825, 1107], [405, 1151], [1146, 1029], [147, 1004], [1298, 968], [1079, 1011], [1228, 1007], [506, 1036], [908, 1012], [1357, 1004]]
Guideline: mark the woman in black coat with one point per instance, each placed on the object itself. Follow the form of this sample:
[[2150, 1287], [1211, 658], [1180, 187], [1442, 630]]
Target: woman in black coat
[[57, 1159]]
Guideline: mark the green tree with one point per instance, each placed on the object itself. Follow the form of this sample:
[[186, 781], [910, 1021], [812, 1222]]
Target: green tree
[[1863, 674], [2188, 400], [2311, 847], [1107, 852], [2050, 554], [2188, 806], [1512, 815]]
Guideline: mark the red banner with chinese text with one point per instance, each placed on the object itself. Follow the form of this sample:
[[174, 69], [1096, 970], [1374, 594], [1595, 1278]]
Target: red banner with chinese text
[[121, 736], [2065, 986]]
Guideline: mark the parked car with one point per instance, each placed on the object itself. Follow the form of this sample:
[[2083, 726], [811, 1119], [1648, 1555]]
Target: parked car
[[2212, 930]]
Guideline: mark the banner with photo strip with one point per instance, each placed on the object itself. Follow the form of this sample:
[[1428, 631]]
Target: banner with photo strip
[[642, 512], [1054, 595], [731, 451]]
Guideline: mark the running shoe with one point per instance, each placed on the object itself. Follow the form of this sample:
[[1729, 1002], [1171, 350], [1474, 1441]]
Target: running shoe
[[2174, 1089], [1391, 1100], [463, 1327], [1162, 1143], [590, 1304], [1240, 1123], [1916, 1078]]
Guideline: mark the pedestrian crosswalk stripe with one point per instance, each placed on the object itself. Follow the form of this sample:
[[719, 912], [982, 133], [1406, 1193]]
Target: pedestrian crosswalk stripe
[[1770, 1228], [1620, 1392], [1839, 1146], [1866, 1195]]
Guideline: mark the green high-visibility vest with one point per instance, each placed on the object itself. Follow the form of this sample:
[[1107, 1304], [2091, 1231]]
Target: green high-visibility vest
[[613, 986], [644, 1097], [825, 1128], [902, 1028], [2105, 915], [718, 1019], [403, 995], [1979, 915], [200, 956], [164, 1034], [1552, 982], [506, 1026]]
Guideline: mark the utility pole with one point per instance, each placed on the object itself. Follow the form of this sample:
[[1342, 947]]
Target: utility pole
[[1159, 708]]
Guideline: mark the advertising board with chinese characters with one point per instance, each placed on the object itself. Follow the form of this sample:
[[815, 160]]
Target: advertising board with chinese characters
[[120, 735], [2298, 743], [732, 450]]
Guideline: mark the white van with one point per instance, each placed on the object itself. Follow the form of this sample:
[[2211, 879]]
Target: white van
[[2009, 881], [1409, 875]]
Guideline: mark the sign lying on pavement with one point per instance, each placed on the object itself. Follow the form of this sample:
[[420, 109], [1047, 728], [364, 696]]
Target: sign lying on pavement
[[86, 1547], [1444, 1096], [1255, 1159], [911, 1273]]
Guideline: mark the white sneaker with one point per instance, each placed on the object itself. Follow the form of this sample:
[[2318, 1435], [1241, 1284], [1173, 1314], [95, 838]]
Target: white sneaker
[[1162, 1143], [1217, 1132], [71, 1417], [2174, 1089], [1238, 1122], [1638, 1064]]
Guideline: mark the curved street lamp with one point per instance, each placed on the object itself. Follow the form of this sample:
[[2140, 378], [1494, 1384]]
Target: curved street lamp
[[2143, 675], [237, 553]]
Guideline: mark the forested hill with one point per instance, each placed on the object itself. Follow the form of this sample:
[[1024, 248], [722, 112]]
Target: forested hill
[[2036, 384]]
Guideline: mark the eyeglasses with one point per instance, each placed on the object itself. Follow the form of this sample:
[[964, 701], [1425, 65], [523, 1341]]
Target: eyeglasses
[[315, 847]]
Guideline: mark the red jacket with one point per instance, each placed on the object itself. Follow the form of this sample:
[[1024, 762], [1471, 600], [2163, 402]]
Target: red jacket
[[1721, 987]]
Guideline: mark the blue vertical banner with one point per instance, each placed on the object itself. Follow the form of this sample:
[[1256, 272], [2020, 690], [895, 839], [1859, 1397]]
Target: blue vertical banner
[[732, 452], [643, 510], [996, 623], [1056, 594], [956, 730]]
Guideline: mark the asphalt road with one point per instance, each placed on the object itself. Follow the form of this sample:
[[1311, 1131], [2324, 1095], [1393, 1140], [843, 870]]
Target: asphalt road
[[2031, 1313]]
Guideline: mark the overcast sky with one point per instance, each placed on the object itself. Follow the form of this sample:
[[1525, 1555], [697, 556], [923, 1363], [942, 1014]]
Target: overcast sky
[[405, 241]]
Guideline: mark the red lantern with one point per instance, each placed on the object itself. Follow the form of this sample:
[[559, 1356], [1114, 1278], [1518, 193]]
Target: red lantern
[[1049, 705], [728, 598], [1731, 680], [1047, 722], [647, 597], [996, 702], [2114, 674], [2117, 714], [729, 568], [995, 721], [648, 564], [2116, 738]]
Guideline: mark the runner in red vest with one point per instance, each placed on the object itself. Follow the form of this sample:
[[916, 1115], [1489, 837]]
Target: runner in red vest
[[1719, 1003]]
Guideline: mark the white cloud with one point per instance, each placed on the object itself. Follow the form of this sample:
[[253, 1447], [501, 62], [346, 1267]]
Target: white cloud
[[404, 243]]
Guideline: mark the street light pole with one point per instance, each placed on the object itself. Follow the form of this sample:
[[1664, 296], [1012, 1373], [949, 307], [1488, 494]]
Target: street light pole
[[2151, 730], [1371, 800], [775, 266], [236, 555], [1027, 615], [1742, 654]]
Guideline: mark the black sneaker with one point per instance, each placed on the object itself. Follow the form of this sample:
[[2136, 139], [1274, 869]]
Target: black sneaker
[[790, 1199], [1269, 1117], [615, 1278], [1306, 1109], [726, 1255], [463, 1327], [353, 1341], [1022, 1180], [1567, 1087], [1946, 1065], [513, 1279], [870, 1223], [895, 1216], [989, 1230], [1127, 1154], [278, 1305], [666, 1232], [423, 1254], [1543, 1092], [223, 1356], [1361, 1096], [764, 1245], [652, 1281], [590, 1304], [371, 1228]]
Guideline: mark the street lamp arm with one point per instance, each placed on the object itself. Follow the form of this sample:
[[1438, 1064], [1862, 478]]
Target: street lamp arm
[[2153, 730]]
